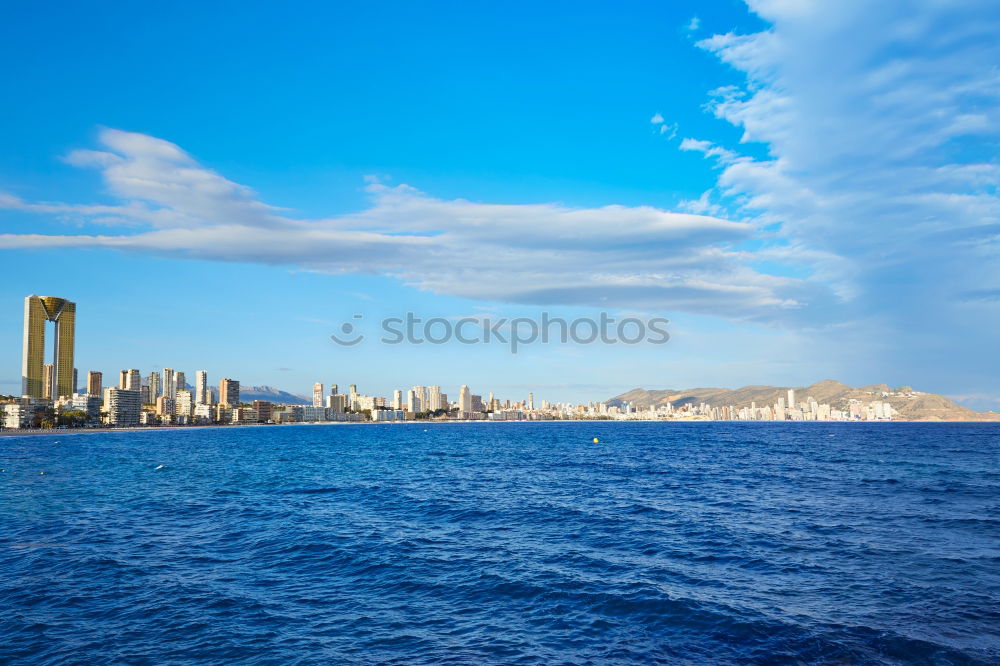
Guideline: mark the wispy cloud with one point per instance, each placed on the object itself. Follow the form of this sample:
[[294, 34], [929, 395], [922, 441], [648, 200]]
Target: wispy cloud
[[880, 123], [531, 253]]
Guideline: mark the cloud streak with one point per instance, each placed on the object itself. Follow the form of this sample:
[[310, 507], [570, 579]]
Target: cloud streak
[[881, 123], [533, 253]]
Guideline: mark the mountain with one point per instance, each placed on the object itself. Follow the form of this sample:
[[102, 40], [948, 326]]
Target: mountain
[[271, 394], [911, 405]]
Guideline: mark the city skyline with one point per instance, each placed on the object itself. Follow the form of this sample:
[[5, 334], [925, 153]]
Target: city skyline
[[795, 208], [163, 397]]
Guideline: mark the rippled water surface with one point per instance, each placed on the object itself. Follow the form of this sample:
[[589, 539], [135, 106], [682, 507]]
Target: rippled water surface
[[504, 543]]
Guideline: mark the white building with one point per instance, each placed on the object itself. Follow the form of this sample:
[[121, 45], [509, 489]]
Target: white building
[[434, 401], [123, 407], [184, 403], [202, 396]]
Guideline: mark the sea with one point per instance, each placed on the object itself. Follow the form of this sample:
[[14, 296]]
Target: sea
[[503, 543]]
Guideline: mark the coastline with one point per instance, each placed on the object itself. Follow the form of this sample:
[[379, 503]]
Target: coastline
[[35, 432]]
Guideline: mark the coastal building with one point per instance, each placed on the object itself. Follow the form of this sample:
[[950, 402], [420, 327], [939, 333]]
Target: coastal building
[[155, 386], [169, 383], [203, 413], [130, 380], [434, 398], [37, 312], [464, 401], [337, 403], [244, 415], [165, 406], [88, 403], [415, 400], [229, 392], [312, 414], [122, 407], [318, 394], [202, 396], [264, 410], [94, 380], [388, 415], [184, 403]]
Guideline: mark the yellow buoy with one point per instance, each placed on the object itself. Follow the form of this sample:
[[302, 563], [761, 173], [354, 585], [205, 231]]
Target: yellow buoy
[[596, 440]]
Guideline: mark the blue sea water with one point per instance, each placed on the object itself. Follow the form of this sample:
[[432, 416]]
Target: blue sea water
[[503, 543]]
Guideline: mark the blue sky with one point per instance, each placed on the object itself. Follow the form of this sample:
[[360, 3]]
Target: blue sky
[[807, 190]]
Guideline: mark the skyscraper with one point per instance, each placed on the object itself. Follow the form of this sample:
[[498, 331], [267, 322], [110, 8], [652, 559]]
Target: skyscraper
[[169, 383], [464, 400], [531, 401], [318, 394], [180, 383], [229, 392], [434, 398], [37, 311], [155, 386], [94, 380], [130, 380], [201, 395]]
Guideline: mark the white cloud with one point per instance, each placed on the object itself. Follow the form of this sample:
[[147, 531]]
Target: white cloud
[[532, 253], [881, 122], [693, 24], [657, 119]]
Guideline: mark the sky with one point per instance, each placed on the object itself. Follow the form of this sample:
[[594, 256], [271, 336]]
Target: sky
[[805, 190]]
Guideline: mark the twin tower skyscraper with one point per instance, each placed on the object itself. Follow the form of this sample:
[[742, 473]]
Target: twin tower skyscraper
[[38, 311]]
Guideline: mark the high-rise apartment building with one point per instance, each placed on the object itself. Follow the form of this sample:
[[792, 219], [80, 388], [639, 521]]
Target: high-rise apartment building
[[434, 398], [165, 406], [397, 399], [130, 380], [169, 383], [318, 394], [123, 407], [155, 386], [464, 400], [94, 381], [180, 382], [184, 404], [229, 393], [37, 311], [334, 389], [419, 403], [201, 394]]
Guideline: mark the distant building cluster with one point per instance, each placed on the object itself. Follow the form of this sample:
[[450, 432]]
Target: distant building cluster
[[782, 410], [51, 396]]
